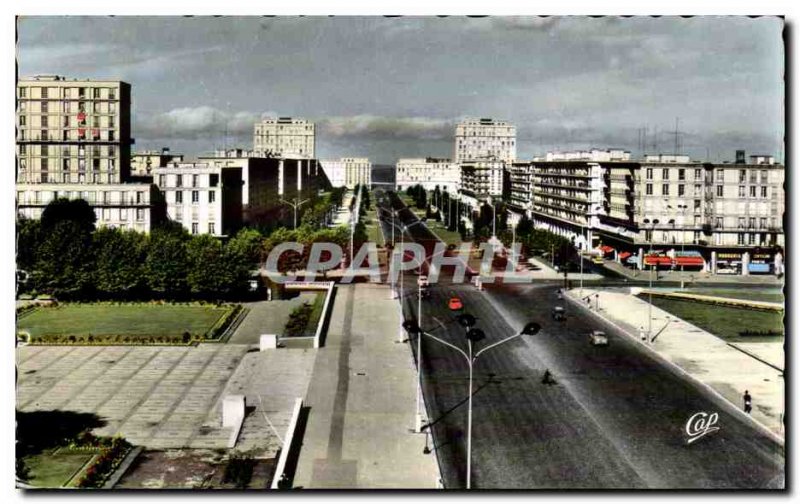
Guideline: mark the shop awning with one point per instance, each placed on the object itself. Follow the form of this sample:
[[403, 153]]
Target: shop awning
[[606, 249], [689, 261], [624, 255]]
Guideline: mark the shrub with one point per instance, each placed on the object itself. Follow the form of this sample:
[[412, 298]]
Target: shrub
[[239, 470]]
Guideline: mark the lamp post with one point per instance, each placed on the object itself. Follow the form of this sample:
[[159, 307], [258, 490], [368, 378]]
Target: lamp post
[[473, 335], [580, 258], [650, 291], [295, 205]]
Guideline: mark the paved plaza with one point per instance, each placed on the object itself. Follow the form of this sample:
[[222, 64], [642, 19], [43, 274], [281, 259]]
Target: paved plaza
[[268, 317], [162, 397]]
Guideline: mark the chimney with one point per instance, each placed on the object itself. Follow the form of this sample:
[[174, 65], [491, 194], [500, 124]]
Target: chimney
[[740, 157]]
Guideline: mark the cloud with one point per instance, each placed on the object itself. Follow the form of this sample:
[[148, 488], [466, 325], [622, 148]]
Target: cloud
[[194, 123], [384, 128], [204, 122]]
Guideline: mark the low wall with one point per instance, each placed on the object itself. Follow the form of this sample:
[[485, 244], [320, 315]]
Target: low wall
[[288, 444]]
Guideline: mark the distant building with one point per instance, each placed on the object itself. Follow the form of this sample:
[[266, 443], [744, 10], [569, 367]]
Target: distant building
[[202, 198], [143, 162], [481, 181], [588, 155], [73, 131], [285, 137], [429, 173], [485, 140], [348, 172]]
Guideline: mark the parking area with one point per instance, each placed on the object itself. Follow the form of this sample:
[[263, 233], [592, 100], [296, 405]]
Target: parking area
[[165, 397]]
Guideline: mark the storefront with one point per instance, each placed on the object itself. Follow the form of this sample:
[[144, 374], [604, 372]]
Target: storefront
[[729, 263], [761, 263]]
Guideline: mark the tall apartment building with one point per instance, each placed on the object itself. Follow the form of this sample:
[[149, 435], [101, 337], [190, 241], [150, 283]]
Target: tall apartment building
[[74, 141], [73, 131], [348, 172], [485, 140], [143, 162], [429, 173], [202, 198], [285, 137]]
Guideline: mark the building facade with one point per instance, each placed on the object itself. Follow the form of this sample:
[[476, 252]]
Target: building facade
[[73, 131], [485, 140], [127, 206], [285, 137], [204, 199], [481, 181], [348, 172], [429, 173], [728, 214], [142, 163]]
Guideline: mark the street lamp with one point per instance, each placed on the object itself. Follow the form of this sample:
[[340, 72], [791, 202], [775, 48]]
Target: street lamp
[[295, 205], [682, 209], [650, 292], [473, 335]]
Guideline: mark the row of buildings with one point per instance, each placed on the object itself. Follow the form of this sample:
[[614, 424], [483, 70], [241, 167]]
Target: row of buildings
[[74, 141], [721, 217]]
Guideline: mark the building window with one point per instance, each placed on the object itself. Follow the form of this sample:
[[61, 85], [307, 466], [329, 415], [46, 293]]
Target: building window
[[178, 196], [752, 191], [720, 175], [741, 222], [195, 196], [195, 228], [665, 173], [742, 176], [44, 92], [178, 180], [22, 120], [649, 174], [649, 189], [763, 191], [740, 239], [752, 222], [753, 176], [741, 191], [23, 92], [719, 222], [213, 180], [194, 180], [763, 176], [763, 222], [665, 189], [698, 174], [648, 235], [751, 238], [140, 214], [162, 180], [681, 189], [211, 228], [682, 174], [212, 196], [719, 191]]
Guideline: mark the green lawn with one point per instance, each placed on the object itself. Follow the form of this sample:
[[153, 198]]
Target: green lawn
[[725, 322], [373, 231], [316, 313], [130, 320], [769, 295], [54, 470], [442, 232]]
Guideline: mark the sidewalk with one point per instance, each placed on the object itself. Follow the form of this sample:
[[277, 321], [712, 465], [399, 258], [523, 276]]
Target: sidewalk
[[700, 354], [362, 402], [690, 277]]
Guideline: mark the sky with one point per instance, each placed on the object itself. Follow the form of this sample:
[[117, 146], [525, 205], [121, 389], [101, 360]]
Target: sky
[[387, 88]]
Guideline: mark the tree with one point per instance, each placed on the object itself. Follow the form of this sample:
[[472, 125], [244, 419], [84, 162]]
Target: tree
[[206, 275], [120, 256], [65, 261], [29, 237], [63, 209], [166, 265]]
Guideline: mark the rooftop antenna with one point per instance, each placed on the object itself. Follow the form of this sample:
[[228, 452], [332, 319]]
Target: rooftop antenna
[[677, 148]]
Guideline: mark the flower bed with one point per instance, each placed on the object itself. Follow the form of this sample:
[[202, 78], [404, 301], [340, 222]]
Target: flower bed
[[112, 452]]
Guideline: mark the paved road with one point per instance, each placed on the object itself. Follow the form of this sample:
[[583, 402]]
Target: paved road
[[614, 420]]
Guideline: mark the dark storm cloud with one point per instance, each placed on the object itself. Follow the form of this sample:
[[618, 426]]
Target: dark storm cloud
[[376, 85]]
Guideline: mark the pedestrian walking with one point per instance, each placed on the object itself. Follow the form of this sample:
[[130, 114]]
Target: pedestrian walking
[[748, 402]]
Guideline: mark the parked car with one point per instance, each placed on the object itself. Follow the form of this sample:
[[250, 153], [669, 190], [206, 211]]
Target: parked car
[[598, 338]]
